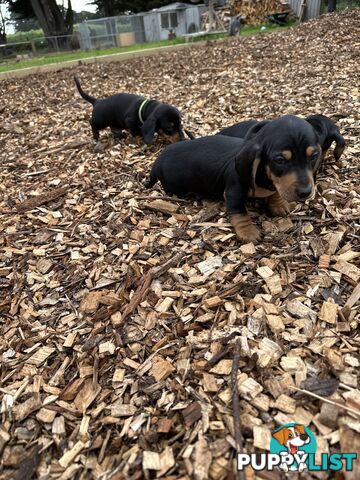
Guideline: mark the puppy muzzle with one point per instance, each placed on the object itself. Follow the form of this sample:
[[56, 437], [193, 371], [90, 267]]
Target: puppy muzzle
[[176, 137]]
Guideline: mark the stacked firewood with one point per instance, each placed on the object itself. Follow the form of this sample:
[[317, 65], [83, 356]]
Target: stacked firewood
[[256, 11]]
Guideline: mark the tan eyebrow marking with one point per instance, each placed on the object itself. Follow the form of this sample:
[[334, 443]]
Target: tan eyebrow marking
[[309, 151], [287, 154]]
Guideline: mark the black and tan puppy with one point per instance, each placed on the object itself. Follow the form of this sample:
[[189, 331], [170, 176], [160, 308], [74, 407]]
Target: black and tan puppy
[[325, 128], [143, 117], [239, 130], [328, 132], [276, 162]]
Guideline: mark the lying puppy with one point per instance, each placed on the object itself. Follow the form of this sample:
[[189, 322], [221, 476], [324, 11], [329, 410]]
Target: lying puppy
[[141, 116], [276, 162], [238, 130], [324, 127]]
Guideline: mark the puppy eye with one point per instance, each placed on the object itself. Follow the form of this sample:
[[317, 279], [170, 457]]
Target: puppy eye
[[172, 124], [290, 435]]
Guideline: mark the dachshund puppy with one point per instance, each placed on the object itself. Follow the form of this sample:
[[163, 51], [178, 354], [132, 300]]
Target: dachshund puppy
[[141, 116], [325, 128], [276, 162], [328, 132], [238, 130]]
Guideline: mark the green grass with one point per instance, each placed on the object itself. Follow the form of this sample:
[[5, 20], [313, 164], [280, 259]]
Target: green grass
[[46, 59]]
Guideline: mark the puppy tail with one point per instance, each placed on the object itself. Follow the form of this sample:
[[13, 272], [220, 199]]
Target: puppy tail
[[152, 180], [85, 96]]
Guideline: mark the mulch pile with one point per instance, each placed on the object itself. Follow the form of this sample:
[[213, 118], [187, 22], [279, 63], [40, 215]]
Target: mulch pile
[[129, 320]]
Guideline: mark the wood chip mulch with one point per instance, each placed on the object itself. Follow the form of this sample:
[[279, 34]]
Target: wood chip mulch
[[122, 311]]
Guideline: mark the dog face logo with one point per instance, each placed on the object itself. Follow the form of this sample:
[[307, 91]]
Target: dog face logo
[[293, 442], [292, 437]]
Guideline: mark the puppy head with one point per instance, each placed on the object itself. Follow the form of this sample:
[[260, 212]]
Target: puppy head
[[328, 132], [285, 152], [292, 436], [166, 121]]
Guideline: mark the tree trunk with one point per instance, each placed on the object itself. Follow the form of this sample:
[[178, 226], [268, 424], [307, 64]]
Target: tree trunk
[[2, 28], [2, 36], [332, 6], [52, 20]]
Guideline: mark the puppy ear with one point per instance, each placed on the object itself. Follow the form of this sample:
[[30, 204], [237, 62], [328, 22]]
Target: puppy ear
[[300, 429], [281, 436], [256, 129], [247, 162], [340, 145], [148, 129]]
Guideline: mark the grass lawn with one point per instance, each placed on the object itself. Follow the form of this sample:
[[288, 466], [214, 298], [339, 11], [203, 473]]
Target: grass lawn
[[78, 55]]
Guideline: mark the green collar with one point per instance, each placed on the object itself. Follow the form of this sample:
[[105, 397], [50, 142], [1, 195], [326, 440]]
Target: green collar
[[143, 103]]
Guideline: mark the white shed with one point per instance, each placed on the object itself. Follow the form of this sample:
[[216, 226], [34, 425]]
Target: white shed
[[175, 19]]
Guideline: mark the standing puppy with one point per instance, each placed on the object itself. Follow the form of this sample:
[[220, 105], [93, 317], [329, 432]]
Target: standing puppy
[[143, 117], [276, 162]]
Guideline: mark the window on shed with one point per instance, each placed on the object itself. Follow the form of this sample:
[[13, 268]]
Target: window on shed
[[173, 19], [169, 20], [164, 20]]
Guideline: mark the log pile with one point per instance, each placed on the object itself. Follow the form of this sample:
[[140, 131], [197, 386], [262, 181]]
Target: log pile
[[256, 10]]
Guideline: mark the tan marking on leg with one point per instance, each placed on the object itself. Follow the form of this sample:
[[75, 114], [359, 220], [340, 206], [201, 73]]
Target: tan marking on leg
[[278, 206], [309, 151], [287, 154], [139, 140], [245, 230]]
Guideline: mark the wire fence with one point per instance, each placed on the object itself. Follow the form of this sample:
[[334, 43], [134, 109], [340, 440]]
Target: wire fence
[[112, 32], [39, 46], [126, 30]]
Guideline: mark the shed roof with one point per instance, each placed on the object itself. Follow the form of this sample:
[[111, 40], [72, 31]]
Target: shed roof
[[173, 6]]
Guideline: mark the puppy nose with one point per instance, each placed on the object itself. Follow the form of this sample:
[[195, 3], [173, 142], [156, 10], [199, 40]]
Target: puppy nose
[[304, 191], [304, 436]]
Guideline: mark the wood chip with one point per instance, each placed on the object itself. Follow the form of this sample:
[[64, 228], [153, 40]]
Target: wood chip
[[328, 312], [161, 370]]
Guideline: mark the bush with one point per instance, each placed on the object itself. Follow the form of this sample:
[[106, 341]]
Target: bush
[[24, 36]]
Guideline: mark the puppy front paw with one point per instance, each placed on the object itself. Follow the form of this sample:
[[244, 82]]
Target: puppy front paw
[[245, 229], [284, 467], [278, 206]]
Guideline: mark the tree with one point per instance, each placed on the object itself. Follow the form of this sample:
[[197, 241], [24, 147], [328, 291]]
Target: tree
[[3, 21], [53, 19], [83, 15], [24, 25]]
